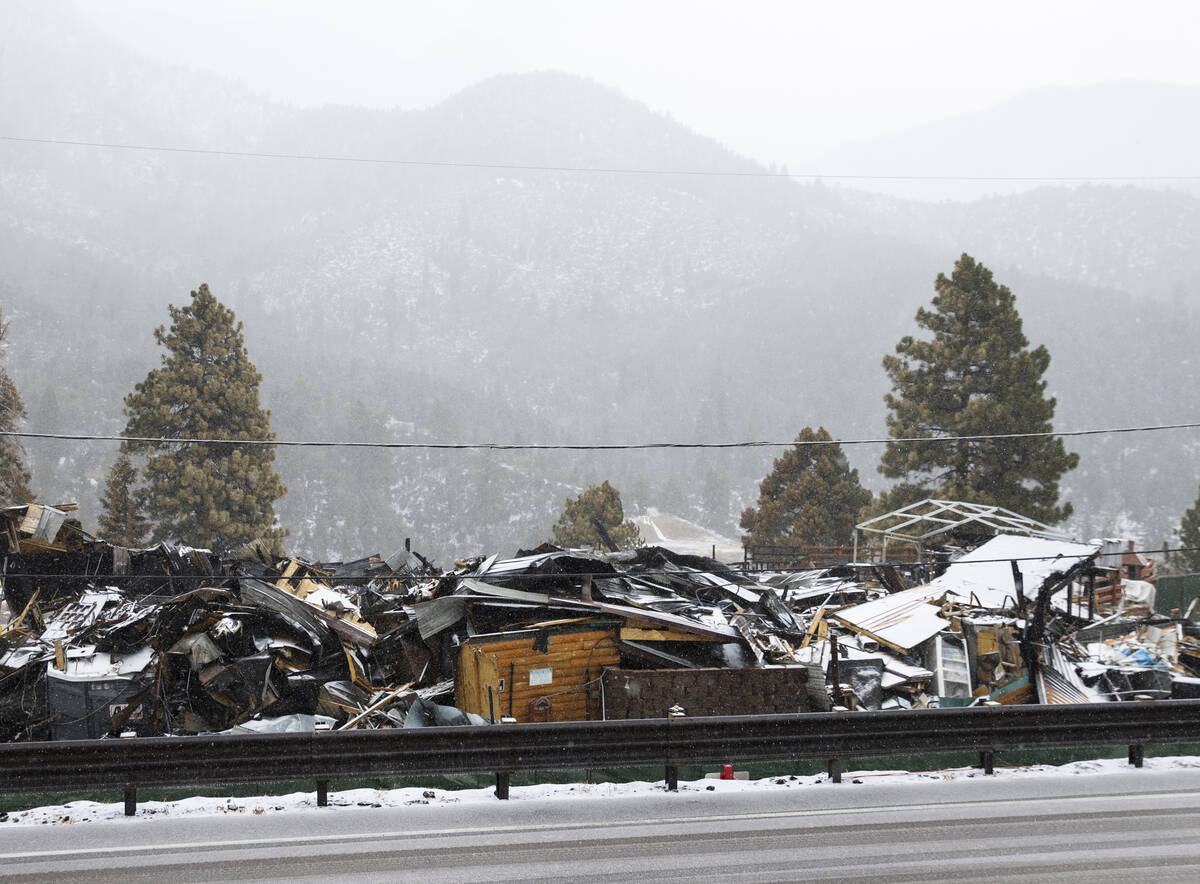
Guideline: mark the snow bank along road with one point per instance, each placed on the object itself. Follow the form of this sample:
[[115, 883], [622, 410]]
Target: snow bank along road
[[1113, 825]]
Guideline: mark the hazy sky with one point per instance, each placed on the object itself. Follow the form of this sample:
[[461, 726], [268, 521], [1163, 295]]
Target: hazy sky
[[778, 81]]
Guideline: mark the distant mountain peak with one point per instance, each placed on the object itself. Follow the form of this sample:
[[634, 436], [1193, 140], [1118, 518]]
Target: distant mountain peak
[[556, 118]]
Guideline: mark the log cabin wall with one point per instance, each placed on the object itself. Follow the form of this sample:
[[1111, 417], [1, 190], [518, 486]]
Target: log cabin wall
[[540, 675]]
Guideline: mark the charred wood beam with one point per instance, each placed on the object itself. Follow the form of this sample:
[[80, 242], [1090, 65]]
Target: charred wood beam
[[1035, 629]]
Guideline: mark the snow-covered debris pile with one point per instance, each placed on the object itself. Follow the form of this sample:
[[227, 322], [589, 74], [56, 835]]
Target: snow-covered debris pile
[[99, 640]]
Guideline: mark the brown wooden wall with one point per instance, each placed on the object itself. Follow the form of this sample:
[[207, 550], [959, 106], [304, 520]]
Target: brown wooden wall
[[572, 658]]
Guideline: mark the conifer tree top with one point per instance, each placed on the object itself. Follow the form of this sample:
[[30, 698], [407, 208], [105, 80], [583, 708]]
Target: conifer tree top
[[975, 376], [206, 386], [214, 495], [811, 497], [596, 512]]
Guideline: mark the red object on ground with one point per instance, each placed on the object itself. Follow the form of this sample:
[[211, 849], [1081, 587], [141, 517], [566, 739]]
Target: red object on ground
[[727, 772]]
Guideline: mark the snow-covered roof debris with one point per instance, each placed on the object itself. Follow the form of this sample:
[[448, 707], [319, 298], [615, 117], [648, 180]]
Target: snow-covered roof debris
[[100, 640]]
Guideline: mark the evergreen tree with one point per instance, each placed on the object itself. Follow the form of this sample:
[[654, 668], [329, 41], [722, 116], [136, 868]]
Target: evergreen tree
[[213, 495], [976, 376], [120, 521], [14, 473], [811, 497], [600, 504], [1187, 559]]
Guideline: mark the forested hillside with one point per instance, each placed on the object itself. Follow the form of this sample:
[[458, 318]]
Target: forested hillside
[[409, 302]]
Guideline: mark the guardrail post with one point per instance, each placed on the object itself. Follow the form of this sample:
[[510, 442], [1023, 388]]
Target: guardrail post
[[1137, 754], [671, 776], [836, 766], [502, 779], [987, 760], [322, 793], [130, 793]]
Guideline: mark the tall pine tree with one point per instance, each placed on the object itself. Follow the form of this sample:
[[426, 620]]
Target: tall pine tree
[[811, 497], [14, 473], [120, 520], [212, 495], [599, 506], [975, 377]]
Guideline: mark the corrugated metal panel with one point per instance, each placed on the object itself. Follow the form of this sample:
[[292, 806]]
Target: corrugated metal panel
[[1059, 684]]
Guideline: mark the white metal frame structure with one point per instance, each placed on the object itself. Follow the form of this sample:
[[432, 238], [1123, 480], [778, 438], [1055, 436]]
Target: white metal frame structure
[[919, 522]]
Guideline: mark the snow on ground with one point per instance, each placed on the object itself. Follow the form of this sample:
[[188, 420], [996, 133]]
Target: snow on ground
[[679, 535], [92, 811]]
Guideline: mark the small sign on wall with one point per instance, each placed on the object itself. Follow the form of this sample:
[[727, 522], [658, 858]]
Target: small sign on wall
[[541, 676]]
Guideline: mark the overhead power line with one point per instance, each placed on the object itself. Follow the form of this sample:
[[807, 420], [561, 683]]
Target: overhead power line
[[607, 170], [584, 446]]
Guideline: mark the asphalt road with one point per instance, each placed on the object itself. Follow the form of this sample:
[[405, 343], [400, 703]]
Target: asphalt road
[[1104, 827]]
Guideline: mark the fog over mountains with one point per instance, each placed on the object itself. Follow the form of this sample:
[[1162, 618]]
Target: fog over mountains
[[1112, 130], [440, 303]]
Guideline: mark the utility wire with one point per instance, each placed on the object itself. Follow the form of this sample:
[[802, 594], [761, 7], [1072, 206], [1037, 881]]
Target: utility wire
[[587, 446], [609, 170]]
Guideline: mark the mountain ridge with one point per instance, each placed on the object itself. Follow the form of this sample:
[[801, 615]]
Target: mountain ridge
[[385, 302]]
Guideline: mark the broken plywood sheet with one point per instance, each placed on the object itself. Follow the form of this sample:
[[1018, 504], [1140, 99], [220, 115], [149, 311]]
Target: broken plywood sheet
[[332, 606], [901, 620], [42, 522]]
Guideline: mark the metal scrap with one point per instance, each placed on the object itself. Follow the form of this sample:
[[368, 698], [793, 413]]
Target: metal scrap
[[171, 640]]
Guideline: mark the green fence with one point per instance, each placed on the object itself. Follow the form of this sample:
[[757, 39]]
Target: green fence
[[1176, 593]]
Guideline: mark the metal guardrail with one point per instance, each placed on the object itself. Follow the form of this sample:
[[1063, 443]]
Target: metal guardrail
[[197, 761]]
